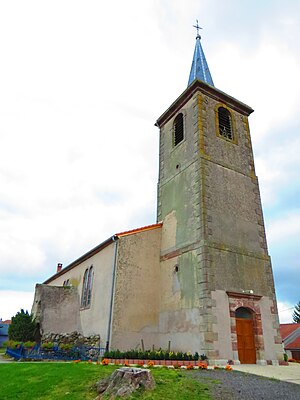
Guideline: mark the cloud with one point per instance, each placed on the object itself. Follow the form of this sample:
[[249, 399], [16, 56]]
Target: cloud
[[12, 302], [285, 311], [81, 87], [285, 228]]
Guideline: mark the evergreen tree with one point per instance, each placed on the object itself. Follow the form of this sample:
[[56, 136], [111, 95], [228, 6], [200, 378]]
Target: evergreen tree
[[296, 313], [22, 328]]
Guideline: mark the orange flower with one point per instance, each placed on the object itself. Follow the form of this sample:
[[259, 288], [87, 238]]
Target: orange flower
[[126, 363], [190, 366], [228, 367], [105, 361], [150, 364], [202, 365]]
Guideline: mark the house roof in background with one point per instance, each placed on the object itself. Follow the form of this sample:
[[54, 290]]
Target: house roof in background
[[295, 345], [287, 329]]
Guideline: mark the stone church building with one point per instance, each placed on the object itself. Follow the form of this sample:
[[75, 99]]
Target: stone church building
[[201, 277]]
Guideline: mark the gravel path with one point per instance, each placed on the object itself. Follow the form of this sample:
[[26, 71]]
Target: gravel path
[[234, 385]]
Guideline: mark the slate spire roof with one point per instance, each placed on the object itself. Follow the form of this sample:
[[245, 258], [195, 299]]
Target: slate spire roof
[[199, 69]]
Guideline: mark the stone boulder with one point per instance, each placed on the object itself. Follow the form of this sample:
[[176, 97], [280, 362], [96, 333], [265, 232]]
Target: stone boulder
[[124, 381]]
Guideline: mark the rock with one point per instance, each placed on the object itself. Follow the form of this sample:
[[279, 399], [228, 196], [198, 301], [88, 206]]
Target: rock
[[124, 381], [73, 338]]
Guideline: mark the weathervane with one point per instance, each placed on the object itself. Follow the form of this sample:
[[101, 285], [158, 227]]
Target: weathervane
[[197, 27]]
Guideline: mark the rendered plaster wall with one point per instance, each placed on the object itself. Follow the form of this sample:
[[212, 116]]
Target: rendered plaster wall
[[231, 187], [221, 326], [235, 228], [137, 291], [270, 325], [92, 320], [183, 313], [238, 272], [56, 309], [209, 201], [179, 317], [179, 185]]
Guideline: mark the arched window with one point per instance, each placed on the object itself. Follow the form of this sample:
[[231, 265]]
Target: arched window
[[178, 130], [225, 123], [87, 287]]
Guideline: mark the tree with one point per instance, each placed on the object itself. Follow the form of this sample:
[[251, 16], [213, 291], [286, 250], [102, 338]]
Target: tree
[[23, 327], [296, 313]]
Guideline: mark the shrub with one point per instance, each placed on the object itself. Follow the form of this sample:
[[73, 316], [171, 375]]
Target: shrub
[[29, 344], [13, 344], [23, 327], [66, 346], [47, 346], [153, 355]]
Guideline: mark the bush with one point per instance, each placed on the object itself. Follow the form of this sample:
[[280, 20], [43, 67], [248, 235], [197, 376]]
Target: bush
[[29, 344], [47, 346], [65, 346], [153, 355], [23, 327], [13, 344]]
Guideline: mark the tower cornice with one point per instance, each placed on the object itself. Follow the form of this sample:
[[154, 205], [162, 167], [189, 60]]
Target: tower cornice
[[202, 87]]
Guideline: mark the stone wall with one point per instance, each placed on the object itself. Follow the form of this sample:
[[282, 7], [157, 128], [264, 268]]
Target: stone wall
[[73, 338]]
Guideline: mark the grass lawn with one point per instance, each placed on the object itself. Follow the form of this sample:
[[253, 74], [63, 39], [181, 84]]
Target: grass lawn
[[43, 380]]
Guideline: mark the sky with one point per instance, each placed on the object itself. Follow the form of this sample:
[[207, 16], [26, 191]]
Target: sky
[[81, 86]]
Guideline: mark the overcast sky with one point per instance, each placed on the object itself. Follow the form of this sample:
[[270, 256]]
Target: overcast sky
[[81, 86]]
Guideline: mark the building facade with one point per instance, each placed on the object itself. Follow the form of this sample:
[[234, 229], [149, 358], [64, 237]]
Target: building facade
[[201, 277]]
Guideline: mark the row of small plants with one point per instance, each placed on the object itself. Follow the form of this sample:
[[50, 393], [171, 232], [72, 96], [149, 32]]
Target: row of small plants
[[12, 344], [153, 355]]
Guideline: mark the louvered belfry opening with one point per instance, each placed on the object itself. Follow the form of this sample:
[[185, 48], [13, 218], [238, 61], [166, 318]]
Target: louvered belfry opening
[[225, 125], [178, 129]]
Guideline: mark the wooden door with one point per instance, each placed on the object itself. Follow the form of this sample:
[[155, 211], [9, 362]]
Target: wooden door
[[245, 341]]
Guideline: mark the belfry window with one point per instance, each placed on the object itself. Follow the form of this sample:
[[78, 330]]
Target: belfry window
[[87, 287], [225, 123], [178, 131]]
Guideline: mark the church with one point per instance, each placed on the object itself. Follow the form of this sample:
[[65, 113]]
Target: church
[[199, 279]]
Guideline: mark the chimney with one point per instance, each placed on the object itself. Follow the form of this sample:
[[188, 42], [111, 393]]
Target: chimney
[[59, 268]]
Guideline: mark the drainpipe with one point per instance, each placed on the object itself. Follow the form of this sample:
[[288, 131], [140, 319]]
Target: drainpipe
[[114, 267]]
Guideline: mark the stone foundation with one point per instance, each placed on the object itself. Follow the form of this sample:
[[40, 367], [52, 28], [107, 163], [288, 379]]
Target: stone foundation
[[73, 338]]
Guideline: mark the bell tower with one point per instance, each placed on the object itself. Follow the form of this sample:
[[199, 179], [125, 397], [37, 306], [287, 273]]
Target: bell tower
[[217, 294]]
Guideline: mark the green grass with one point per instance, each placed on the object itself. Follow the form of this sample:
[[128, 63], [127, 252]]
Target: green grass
[[174, 385], [76, 381]]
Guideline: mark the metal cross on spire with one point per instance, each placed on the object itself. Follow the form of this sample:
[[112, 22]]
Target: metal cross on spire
[[197, 27], [199, 69]]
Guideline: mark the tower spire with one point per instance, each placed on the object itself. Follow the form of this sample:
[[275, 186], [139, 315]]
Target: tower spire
[[199, 69]]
